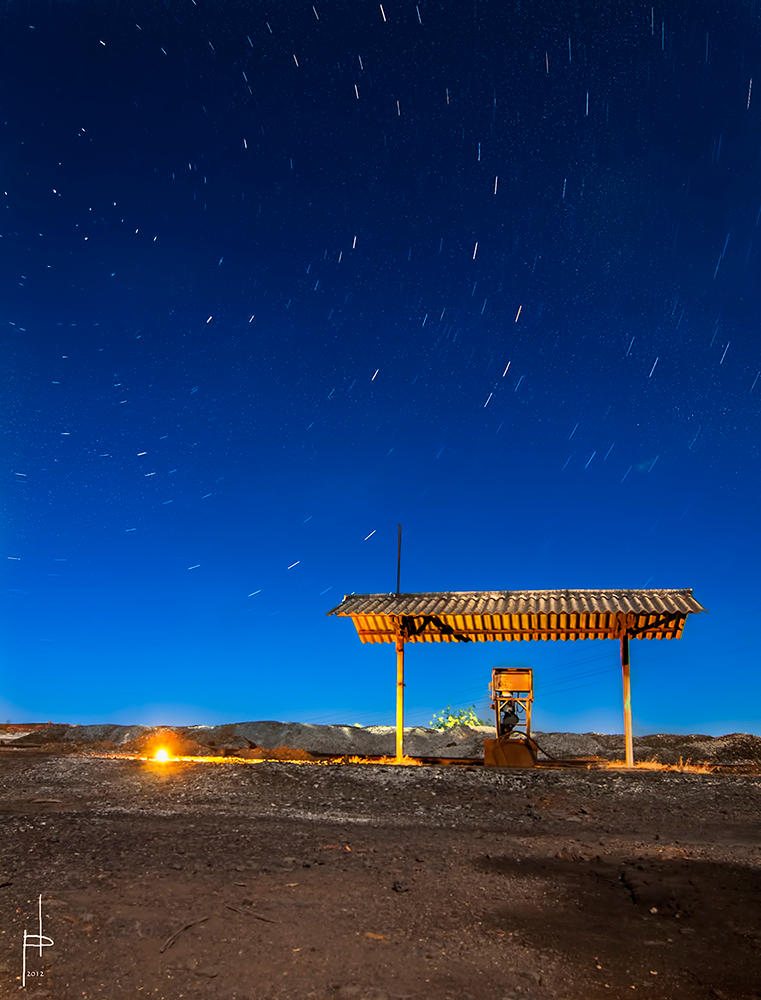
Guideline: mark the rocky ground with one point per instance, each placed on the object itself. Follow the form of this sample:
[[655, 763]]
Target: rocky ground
[[738, 750], [252, 879]]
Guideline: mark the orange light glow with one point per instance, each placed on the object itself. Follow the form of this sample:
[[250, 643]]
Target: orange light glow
[[162, 754], [409, 761], [684, 766]]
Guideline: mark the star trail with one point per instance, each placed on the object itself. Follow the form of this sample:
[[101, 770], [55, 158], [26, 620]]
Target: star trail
[[276, 278]]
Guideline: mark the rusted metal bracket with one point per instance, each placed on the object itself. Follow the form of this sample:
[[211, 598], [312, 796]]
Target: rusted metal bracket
[[416, 624]]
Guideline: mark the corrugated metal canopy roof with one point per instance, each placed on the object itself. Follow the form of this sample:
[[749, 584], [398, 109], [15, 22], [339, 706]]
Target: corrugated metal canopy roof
[[519, 615]]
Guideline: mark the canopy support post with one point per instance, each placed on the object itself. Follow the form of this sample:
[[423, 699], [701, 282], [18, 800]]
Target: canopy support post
[[627, 699], [399, 696]]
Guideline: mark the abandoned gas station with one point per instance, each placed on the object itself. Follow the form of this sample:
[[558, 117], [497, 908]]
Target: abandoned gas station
[[518, 616]]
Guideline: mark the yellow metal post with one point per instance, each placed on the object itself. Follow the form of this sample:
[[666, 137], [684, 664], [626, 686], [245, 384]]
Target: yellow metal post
[[399, 697], [627, 700]]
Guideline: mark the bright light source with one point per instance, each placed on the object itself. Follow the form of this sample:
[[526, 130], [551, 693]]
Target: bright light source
[[162, 754]]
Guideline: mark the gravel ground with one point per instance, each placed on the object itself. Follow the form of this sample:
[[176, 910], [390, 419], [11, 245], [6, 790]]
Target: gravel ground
[[342, 882]]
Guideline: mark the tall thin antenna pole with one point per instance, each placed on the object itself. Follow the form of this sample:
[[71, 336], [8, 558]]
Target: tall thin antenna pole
[[399, 561]]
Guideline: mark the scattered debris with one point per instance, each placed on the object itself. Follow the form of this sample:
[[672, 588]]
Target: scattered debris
[[173, 937]]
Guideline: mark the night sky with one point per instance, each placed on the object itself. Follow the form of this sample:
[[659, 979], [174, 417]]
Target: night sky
[[278, 277]]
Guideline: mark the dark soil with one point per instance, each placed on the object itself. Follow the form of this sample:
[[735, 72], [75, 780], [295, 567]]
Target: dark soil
[[275, 880]]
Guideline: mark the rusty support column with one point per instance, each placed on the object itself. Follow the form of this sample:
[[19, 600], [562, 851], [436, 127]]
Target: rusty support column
[[627, 699], [399, 696]]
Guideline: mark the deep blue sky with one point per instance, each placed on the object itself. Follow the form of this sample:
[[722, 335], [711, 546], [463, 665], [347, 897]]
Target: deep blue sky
[[275, 278]]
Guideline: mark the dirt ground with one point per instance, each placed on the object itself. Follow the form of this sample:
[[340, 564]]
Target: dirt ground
[[275, 880]]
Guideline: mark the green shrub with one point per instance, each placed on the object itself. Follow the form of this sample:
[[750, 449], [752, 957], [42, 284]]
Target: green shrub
[[449, 717]]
